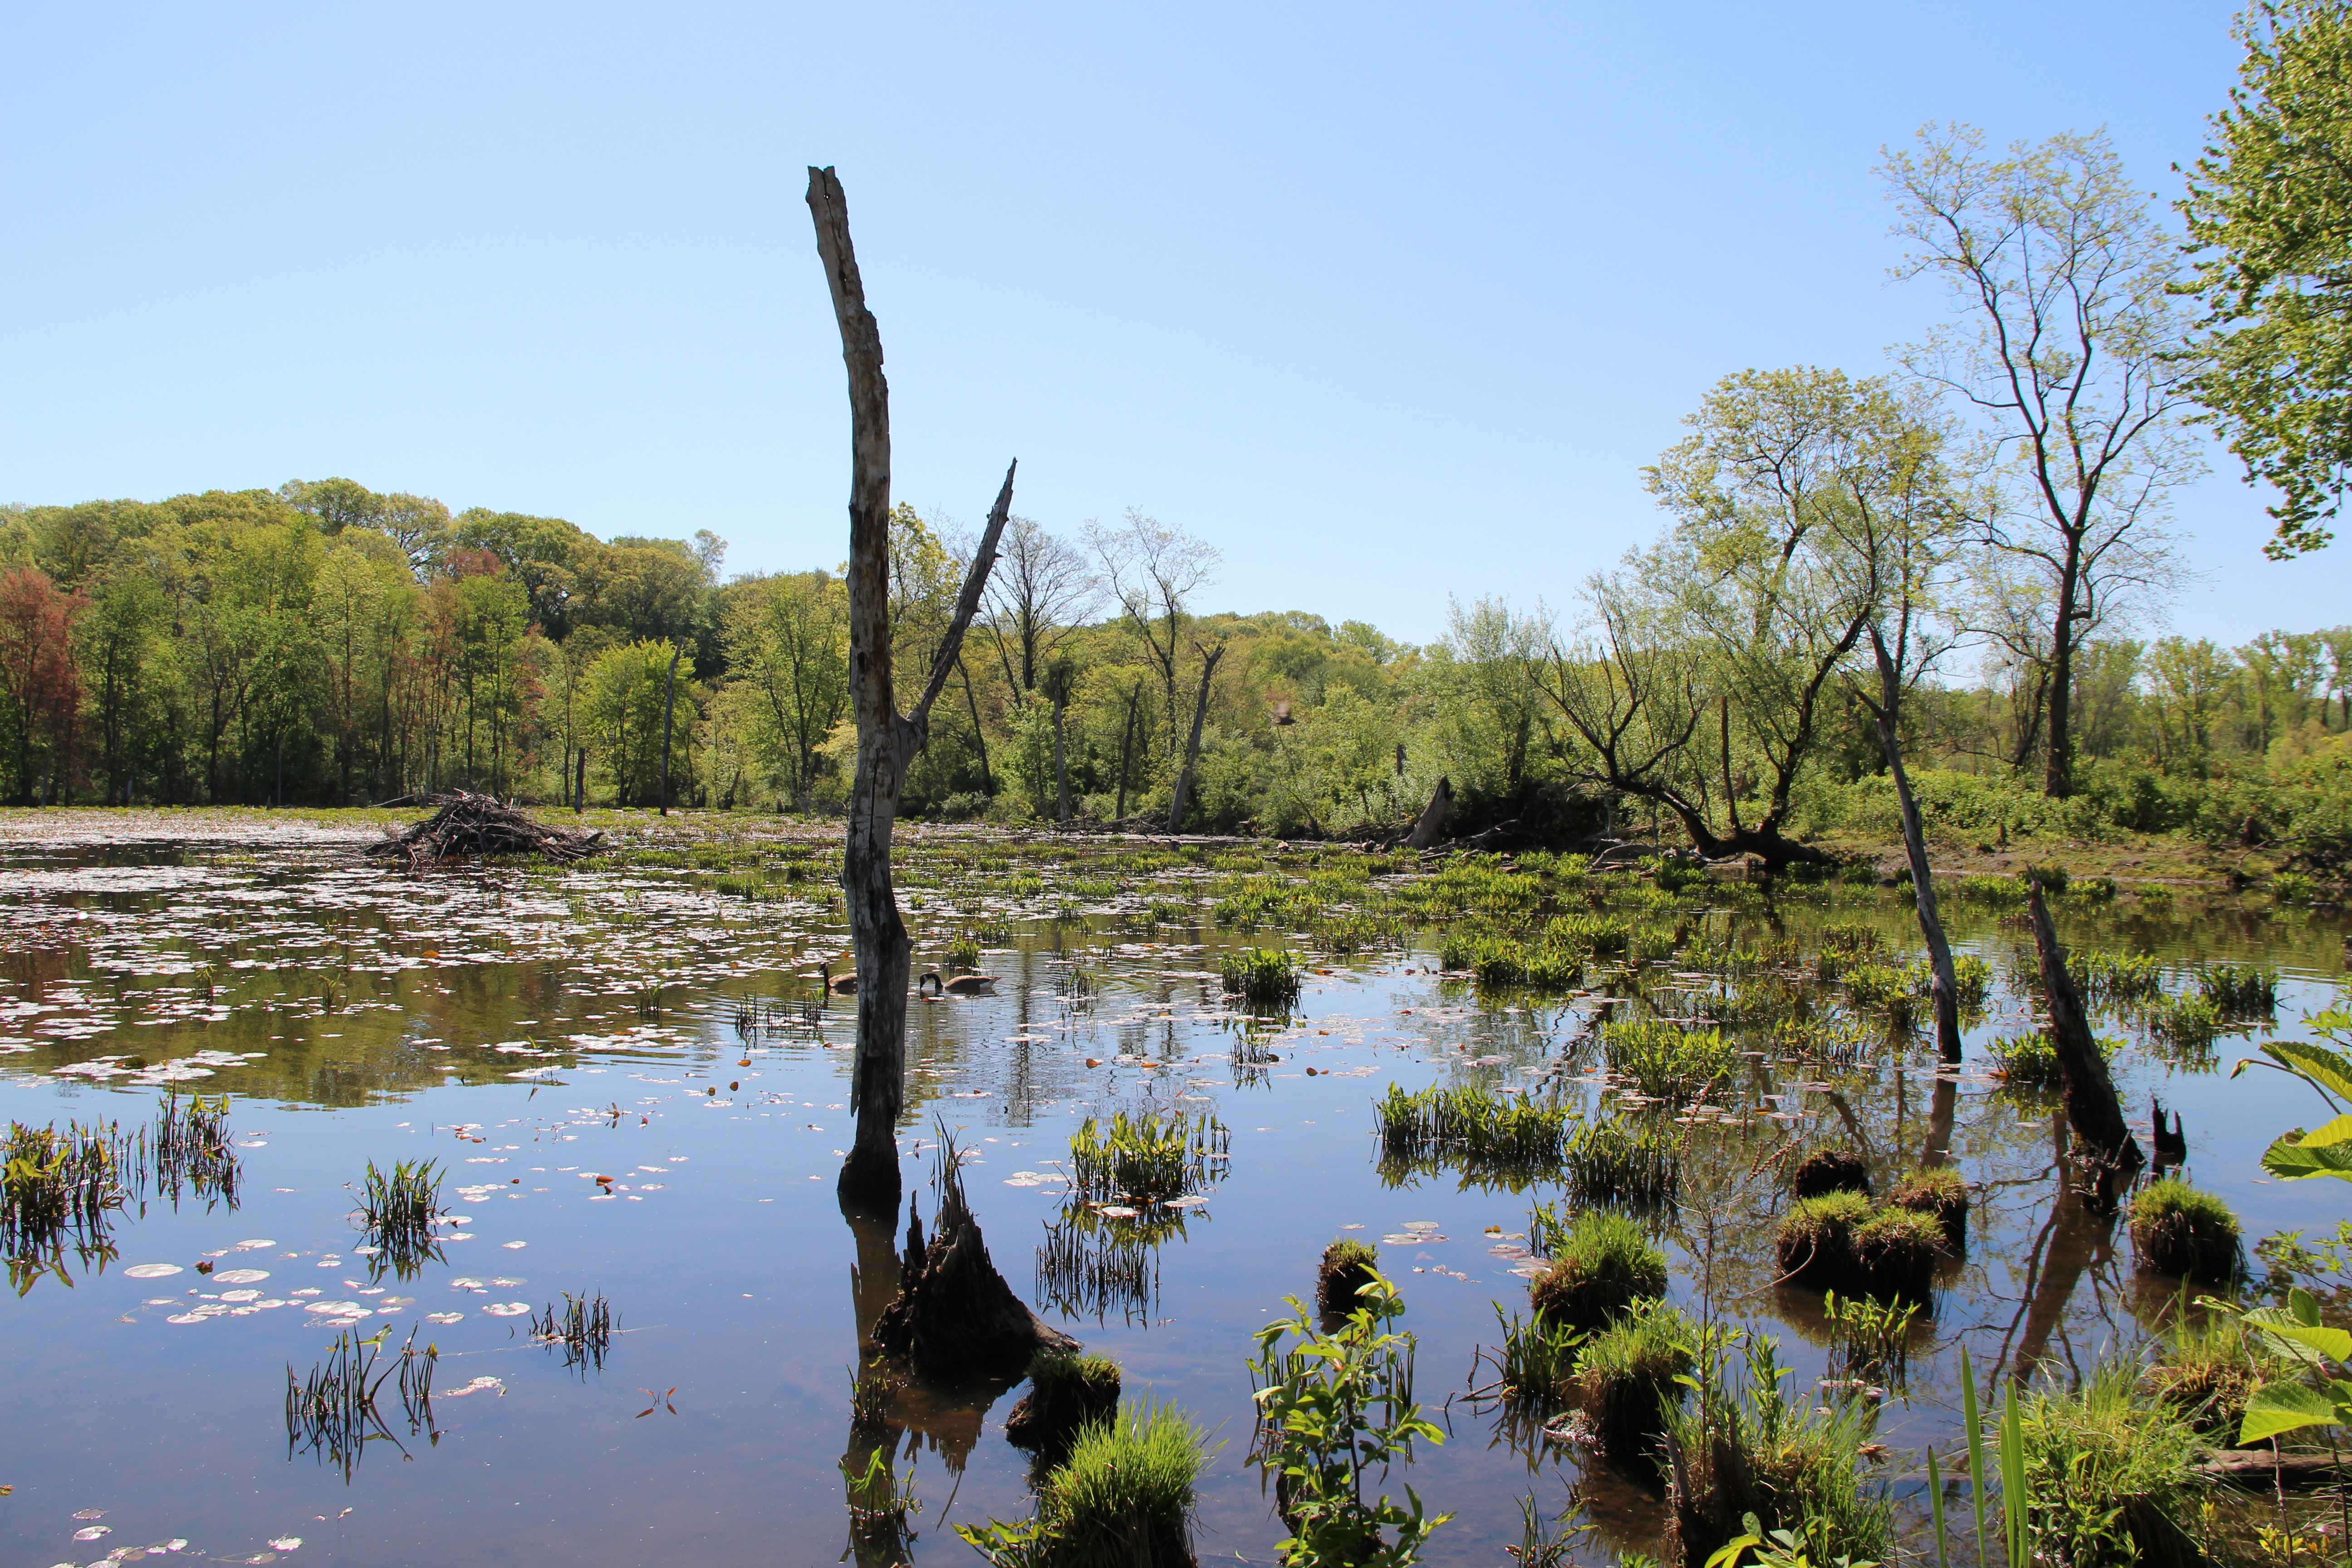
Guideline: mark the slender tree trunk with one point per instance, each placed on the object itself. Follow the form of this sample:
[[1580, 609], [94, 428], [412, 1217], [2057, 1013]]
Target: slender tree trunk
[[1209, 657], [1126, 747], [669, 710], [978, 735], [580, 786], [1887, 712], [887, 740], [1061, 767], [2058, 778]]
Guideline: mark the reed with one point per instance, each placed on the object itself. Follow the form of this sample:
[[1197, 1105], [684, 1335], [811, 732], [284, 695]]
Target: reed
[[583, 1328], [1261, 976], [1147, 1157], [1490, 1135], [1664, 1060], [1640, 1168]]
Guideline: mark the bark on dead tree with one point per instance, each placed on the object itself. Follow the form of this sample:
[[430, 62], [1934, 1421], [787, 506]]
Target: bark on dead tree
[[1886, 711], [888, 740], [2092, 1108], [1209, 657], [1432, 821]]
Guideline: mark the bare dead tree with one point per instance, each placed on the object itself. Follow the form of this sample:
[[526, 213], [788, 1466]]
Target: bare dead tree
[[1154, 570], [888, 740], [1039, 590]]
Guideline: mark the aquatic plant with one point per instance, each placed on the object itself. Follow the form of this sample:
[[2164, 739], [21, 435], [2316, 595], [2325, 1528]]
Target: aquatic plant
[[397, 1208], [2180, 1229], [583, 1328], [1124, 1498], [2105, 978], [1534, 1363], [332, 1412], [1092, 1264], [1746, 1448], [1347, 1267], [2243, 990], [2210, 1366], [964, 950], [1261, 976], [1630, 1374], [1606, 1163], [1334, 1410], [1491, 1135], [882, 1504], [1147, 1157], [1872, 1338], [2030, 1061], [1664, 1059], [54, 1181], [1499, 960], [2183, 1028], [1601, 1263]]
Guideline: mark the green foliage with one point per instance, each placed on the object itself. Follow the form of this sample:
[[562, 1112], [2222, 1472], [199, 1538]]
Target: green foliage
[[1619, 1161], [2243, 990], [2326, 1150], [1334, 1412], [1124, 1498], [2108, 1478], [1631, 1372]]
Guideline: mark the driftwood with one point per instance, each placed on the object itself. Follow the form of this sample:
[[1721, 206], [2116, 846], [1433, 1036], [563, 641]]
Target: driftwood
[[2092, 1107], [954, 1316], [469, 824], [888, 740], [2257, 1467]]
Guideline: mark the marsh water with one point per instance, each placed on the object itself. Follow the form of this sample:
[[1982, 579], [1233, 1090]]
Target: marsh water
[[649, 1018]]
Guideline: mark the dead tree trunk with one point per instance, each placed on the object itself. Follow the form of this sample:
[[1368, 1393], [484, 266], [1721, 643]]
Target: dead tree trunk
[[669, 710], [1432, 821], [1126, 747], [1061, 767], [1887, 711], [888, 740], [1209, 657], [2092, 1108]]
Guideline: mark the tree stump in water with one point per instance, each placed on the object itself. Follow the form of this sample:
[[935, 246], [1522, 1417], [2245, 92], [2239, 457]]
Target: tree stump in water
[[955, 1316], [2112, 1155], [1432, 821]]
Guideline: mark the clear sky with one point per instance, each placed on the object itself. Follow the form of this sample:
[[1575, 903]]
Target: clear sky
[[1388, 303]]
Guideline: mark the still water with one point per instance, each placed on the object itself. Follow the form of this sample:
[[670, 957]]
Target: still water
[[533, 1031]]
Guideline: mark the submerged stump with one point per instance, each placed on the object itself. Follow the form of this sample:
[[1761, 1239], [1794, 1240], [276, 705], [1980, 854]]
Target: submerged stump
[[954, 1316]]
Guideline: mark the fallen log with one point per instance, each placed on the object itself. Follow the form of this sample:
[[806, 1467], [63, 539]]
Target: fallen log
[[2258, 1468], [471, 825]]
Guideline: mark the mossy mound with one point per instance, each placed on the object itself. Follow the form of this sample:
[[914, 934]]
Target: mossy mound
[[1898, 1249], [1347, 1267], [1600, 1266], [1815, 1242], [1625, 1377], [1942, 1194], [2180, 1229], [1066, 1390]]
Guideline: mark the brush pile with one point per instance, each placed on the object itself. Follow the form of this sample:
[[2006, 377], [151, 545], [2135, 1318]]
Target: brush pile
[[469, 824]]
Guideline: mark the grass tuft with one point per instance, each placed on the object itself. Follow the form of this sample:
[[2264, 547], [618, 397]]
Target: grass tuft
[[2180, 1229], [1600, 1265]]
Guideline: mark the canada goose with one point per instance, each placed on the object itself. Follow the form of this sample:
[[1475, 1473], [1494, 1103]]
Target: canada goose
[[845, 987], [961, 985]]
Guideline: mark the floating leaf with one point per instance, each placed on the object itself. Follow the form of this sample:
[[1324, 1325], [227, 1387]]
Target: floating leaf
[[153, 1270]]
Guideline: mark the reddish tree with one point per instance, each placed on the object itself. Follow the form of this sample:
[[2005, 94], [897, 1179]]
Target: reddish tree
[[40, 688]]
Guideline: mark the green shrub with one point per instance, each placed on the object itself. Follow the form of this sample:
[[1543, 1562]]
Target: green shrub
[[2110, 1479], [2177, 1228], [1123, 1500], [1627, 1378], [1665, 1060], [1600, 1262]]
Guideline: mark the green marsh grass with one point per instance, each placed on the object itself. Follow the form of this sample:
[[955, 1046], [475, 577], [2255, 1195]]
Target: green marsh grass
[[1124, 1498], [1628, 1378], [55, 1182], [1940, 1192], [2243, 990], [1664, 1060], [1489, 1135], [1631, 1163], [1263, 977], [1534, 1365], [2110, 1479], [1746, 1447], [1872, 1339], [1601, 1263]]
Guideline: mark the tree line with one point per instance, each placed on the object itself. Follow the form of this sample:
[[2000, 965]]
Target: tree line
[[1967, 558]]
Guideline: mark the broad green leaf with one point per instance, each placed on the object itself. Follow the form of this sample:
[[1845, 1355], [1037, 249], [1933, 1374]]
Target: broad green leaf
[[2336, 1131], [2336, 1343], [2278, 1407], [2292, 1162]]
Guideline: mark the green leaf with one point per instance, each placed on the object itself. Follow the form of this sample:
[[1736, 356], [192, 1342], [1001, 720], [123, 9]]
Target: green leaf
[[2278, 1407], [2315, 1064], [2336, 1131], [2292, 1162]]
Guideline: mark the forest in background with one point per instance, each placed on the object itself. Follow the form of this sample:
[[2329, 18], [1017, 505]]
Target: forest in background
[[1963, 565]]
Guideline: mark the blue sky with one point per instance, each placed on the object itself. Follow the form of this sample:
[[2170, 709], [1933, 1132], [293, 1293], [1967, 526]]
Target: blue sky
[[1387, 302]]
